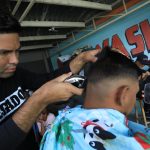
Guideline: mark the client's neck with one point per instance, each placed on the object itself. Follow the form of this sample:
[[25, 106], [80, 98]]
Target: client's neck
[[93, 101]]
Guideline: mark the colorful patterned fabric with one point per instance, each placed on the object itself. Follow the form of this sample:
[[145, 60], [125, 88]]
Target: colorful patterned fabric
[[95, 129]]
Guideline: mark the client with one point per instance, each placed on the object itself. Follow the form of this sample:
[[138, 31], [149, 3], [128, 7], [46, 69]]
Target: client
[[101, 123]]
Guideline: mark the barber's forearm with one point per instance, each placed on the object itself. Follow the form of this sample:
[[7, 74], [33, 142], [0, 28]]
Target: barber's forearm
[[28, 113], [76, 65]]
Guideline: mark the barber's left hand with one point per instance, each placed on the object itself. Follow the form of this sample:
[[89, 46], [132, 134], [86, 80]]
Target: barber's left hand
[[78, 62]]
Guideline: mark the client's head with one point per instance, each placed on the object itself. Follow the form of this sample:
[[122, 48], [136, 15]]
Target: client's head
[[112, 82]]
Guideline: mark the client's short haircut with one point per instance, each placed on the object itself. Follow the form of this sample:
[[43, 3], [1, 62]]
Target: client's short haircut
[[112, 65]]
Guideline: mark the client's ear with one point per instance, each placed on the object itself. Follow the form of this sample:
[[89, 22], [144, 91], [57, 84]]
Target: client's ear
[[122, 95]]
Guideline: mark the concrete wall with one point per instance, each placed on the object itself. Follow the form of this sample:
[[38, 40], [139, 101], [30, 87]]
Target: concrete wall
[[35, 61]]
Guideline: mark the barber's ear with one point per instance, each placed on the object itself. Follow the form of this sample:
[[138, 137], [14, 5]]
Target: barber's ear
[[122, 95]]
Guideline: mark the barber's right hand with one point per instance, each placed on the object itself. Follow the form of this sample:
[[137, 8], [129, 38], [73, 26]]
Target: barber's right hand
[[58, 90]]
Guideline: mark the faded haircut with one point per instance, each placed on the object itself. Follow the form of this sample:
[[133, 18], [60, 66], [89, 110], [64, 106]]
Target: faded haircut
[[112, 65], [8, 23]]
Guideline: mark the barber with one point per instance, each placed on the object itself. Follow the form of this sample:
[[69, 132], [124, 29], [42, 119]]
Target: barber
[[18, 114]]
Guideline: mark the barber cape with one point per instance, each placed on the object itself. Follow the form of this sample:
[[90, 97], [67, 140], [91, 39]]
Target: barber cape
[[95, 129]]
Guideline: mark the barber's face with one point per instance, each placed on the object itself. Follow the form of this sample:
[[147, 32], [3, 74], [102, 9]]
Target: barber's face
[[9, 54]]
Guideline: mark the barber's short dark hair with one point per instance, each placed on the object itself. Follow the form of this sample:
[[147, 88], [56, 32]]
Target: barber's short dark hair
[[112, 65], [8, 23]]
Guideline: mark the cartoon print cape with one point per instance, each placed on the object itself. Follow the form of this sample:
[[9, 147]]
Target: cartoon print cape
[[95, 129]]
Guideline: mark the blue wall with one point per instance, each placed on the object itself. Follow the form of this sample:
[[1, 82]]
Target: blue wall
[[118, 28]]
